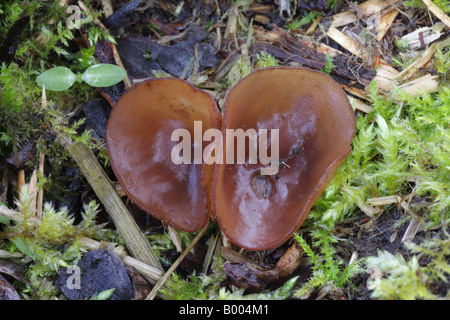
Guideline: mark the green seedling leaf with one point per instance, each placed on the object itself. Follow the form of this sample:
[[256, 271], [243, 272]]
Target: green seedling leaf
[[103, 75], [104, 295], [23, 247], [57, 79]]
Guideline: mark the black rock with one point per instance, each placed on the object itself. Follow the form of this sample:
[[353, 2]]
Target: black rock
[[11, 40], [97, 114], [120, 18], [99, 270]]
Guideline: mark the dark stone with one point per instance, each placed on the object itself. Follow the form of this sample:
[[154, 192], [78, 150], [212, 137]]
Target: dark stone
[[120, 18], [25, 155], [11, 41], [99, 270], [97, 114]]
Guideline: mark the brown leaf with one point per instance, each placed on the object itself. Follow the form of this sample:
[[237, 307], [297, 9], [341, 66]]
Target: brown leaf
[[249, 275], [290, 260], [7, 292]]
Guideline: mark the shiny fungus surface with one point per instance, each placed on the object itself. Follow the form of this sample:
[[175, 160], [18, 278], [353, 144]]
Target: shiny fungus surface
[[139, 146], [316, 126]]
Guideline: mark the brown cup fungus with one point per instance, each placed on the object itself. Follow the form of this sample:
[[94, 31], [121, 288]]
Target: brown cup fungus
[[316, 126], [139, 145], [304, 113]]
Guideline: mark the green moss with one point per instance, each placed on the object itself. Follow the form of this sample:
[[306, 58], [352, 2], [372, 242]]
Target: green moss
[[394, 277], [327, 271], [53, 241]]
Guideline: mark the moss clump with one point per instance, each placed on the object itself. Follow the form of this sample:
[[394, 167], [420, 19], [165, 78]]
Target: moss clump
[[50, 242]]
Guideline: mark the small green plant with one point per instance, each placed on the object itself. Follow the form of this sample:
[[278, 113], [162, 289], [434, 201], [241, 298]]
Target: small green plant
[[99, 75], [104, 295], [328, 64], [266, 60], [394, 277], [53, 241], [328, 272], [298, 24]]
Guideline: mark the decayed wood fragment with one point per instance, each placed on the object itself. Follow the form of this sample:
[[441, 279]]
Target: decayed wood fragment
[[365, 9], [348, 43], [419, 86], [385, 23], [420, 62], [304, 51], [359, 105]]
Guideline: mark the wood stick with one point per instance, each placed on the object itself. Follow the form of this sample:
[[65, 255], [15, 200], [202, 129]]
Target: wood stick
[[40, 195], [20, 182], [127, 227], [381, 201], [313, 25], [437, 12], [172, 268]]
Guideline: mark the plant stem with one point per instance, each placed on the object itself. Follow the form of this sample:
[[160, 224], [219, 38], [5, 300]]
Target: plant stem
[[172, 268], [124, 222]]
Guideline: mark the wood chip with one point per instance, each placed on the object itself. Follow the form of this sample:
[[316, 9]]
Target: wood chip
[[419, 86], [290, 260], [385, 23], [365, 10], [348, 43], [413, 228], [420, 62], [423, 36], [359, 105], [437, 12]]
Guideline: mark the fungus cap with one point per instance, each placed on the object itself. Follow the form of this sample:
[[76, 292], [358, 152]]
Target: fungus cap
[[316, 126], [139, 146]]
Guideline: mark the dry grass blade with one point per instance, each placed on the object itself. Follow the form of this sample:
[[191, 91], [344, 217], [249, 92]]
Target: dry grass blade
[[172, 268]]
